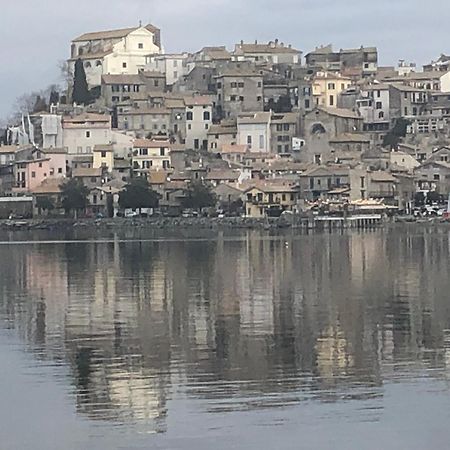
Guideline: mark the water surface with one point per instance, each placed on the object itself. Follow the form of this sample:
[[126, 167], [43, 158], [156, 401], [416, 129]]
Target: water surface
[[252, 341]]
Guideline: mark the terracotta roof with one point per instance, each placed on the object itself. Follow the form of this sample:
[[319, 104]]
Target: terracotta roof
[[82, 158], [112, 34], [158, 176], [53, 151], [49, 186], [257, 117], [220, 129], [4, 149], [381, 176], [173, 103], [103, 148], [93, 55], [87, 172], [237, 148], [149, 143], [153, 74], [339, 112], [198, 100], [265, 48], [88, 117], [122, 79], [222, 175], [143, 111]]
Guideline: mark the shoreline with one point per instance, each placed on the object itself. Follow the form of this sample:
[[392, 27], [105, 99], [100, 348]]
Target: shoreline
[[201, 223]]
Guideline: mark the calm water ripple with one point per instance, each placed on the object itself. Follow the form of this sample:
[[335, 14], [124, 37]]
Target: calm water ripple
[[251, 341]]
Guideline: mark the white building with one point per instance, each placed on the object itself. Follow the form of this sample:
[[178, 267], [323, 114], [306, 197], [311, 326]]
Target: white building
[[274, 52], [114, 52], [174, 66], [254, 131], [198, 121], [374, 106]]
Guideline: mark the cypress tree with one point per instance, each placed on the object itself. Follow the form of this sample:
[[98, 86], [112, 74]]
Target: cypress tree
[[80, 94]]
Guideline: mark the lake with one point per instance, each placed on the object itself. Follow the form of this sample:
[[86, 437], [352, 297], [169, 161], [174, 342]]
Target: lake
[[251, 340]]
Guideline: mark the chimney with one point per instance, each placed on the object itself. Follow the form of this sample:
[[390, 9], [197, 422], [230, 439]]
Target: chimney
[[242, 42]]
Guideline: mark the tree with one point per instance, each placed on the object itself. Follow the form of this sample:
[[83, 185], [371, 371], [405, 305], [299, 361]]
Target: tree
[[198, 196], [80, 94], [45, 203], [392, 138], [74, 196], [138, 194]]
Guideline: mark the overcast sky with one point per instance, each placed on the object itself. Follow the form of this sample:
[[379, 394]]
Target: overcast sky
[[36, 35]]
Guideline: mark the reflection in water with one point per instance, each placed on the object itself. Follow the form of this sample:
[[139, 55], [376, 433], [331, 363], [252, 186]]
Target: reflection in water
[[243, 324]]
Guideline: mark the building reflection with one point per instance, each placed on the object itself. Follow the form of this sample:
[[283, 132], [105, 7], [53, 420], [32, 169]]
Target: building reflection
[[225, 319]]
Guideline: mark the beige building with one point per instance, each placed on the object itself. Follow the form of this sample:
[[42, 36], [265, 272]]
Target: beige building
[[223, 134], [198, 121], [83, 132], [327, 86], [274, 52], [270, 198]]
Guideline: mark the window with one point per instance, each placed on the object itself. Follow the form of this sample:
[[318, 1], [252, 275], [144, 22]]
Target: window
[[259, 98], [156, 83], [286, 127], [189, 115], [206, 126], [406, 111], [103, 154], [175, 63], [331, 86], [233, 84], [406, 95], [33, 174], [189, 126], [241, 85], [259, 84], [219, 85], [363, 182], [136, 88], [87, 64], [60, 170], [379, 105], [40, 165], [381, 115], [232, 98], [280, 149], [280, 138], [279, 127], [140, 45], [124, 65], [98, 63], [162, 151], [196, 144], [143, 151], [331, 100], [286, 148], [88, 134], [311, 183], [206, 115], [436, 177], [249, 140], [261, 141], [175, 74], [307, 103], [241, 98]]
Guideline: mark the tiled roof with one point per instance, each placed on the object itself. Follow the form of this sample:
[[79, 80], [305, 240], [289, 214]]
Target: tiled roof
[[87, 172], [122, 79], [149, 143], [112, 34]]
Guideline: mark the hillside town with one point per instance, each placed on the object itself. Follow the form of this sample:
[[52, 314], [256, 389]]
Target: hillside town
[[258, 130]]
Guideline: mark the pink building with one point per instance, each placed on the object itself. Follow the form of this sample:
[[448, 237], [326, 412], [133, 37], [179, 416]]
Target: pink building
[[29, 174]]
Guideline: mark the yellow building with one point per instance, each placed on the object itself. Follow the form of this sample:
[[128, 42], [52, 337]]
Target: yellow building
[[327, 86], [270, 199], [103, 157], [150, 155]]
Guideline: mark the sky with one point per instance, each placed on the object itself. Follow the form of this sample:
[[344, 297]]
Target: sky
[[35, 35]]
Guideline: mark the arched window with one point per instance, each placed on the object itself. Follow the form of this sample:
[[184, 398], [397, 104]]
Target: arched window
[[206, 115], [98, 63], [318, 128], [381, 115], [87, 64], [189, 115]]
